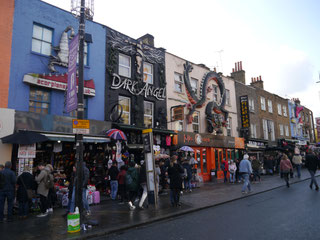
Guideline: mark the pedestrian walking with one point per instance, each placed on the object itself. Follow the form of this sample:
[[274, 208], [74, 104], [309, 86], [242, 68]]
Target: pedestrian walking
[[312, 164], [132, 184], [245, 170], [25, 183], [84, 185], [285, 168], [7, 188], [232, 171], [174, 173], [43, 188], [143, 184], [297, 161], [256, 165], [113, 174], [52, 193], [187, 178], [122, 183], [224, 168]]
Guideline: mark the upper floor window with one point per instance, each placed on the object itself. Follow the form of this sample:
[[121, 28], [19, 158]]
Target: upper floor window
[[279, 109], [39, 100], [281, 129], [228, 97], [125, 103], [148, 73], [286, 130], [195, 122], [215, 93], [251, 105], [178, 82], [85, 54], [41, 40], [124, 65], [268, 128], [148, 114], [179, 125], [229, 127], [270, 106], [253, 130], [263, 103], [284, 110], [194, 85]]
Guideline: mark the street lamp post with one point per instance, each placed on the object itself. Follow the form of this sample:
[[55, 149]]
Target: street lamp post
[[81, 9]]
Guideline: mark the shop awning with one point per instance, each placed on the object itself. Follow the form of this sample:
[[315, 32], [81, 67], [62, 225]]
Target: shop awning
[[164, 131], [71, 138]]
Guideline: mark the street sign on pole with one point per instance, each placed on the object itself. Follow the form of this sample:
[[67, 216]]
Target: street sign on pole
[[81, 126]]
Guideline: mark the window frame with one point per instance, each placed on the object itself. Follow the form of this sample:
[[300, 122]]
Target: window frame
[[147, 115], [253, 130], [120, 97], [148, 74], [85, 54], [215, 92], [41, 40], [178, 82], [196, 123], [286, 130], [123, 66], [263, 103], [251, 104], [281, 129], [35, 100], [270, 109], [265, 129], [197, 85], [229, 127], [177, 124], [279, 109], [284, 110], [228, 101]]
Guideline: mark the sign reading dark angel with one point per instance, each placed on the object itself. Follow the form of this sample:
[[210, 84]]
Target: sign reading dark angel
[[216, 114], [137, 84]]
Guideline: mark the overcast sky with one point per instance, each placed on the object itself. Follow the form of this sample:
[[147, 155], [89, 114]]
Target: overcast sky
[[277, 39]]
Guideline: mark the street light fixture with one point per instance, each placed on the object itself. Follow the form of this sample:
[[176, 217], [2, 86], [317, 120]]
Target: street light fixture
[[81, 9]]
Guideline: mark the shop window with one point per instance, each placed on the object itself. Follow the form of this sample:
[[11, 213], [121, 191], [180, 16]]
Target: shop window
[[253, 130], [126, 108], [281, 129], [228, 102], [286, 130], [263, 103], [148, 114], [178, 82], [279, 109], [39, 100], [284, 110], [41, 39], [179, 125], [124, 65], [251, 105], [148, 73], [204, 160], [85, 54], [270, 106], [195, 122], [194, 85]]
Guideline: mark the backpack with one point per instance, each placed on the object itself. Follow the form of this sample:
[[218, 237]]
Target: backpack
[[49, 181], [2, 180], [129, 179]]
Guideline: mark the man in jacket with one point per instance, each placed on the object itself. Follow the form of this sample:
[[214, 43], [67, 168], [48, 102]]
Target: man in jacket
[[113, 174], [245, 170], [297, 161], [312, 164], [7, 190], [42, 189]]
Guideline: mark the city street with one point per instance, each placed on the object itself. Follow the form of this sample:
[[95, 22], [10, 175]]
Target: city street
[[278, 214]]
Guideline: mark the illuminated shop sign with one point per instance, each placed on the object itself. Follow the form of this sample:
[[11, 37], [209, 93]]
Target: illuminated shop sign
[[244, 108]]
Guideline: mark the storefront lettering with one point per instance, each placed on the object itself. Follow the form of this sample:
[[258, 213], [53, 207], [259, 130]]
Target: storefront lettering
[[132, 86], [187, 138]]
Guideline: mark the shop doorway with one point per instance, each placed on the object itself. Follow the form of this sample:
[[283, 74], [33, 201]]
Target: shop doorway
[[203, 157]]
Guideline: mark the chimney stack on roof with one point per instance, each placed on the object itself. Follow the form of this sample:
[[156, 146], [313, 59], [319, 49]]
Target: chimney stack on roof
[[238, 73], [257, 82]]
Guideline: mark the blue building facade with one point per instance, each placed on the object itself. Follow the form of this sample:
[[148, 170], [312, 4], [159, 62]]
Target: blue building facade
[[40, 36]]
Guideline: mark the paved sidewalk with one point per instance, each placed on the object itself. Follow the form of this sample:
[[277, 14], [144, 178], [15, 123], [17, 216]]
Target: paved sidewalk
[[114, 217]]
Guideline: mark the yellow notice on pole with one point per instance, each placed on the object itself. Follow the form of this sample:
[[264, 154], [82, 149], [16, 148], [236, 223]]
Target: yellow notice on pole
[[80, 126], [147, 130]]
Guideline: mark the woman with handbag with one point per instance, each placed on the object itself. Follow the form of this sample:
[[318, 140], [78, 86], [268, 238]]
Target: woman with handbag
[[26, 185]]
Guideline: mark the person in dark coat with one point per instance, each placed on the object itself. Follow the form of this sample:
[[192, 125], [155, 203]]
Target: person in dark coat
[[113, 174], [312, 164], [132, 186], [7, 191], [187, 178], [25, 181], [174, 172]]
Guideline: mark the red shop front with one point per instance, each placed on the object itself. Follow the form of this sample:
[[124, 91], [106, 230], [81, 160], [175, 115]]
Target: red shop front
[[210, 150]]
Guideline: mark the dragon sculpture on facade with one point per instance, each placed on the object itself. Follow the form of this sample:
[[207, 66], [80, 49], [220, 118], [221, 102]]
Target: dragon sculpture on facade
[[216, 114]]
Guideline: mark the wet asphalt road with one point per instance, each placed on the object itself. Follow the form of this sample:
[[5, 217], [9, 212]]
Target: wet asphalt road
[[284, 213]]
